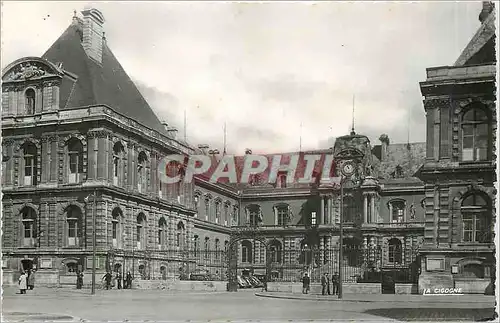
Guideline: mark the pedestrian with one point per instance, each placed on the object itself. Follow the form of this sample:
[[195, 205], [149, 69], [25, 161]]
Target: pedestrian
[[264, 283], [129, 280], [31, 280], [306, 282], [328, 283], [325, 284], [335, 283], [79, 280], [23, 283], [119, 280], [107, 279]]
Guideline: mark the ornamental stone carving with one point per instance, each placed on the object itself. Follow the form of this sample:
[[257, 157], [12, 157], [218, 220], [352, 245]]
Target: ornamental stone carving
[[26, 71], [436, 103]]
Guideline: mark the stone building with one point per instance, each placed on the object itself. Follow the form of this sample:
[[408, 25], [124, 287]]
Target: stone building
[[459, 168], [79, 141]]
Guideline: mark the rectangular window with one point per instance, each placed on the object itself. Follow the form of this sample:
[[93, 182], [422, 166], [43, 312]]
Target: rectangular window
[[28, 229], [72, 229], [115, 229]]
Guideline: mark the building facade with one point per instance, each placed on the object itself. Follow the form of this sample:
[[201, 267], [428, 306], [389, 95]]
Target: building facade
[[459, 169], [81, 144]]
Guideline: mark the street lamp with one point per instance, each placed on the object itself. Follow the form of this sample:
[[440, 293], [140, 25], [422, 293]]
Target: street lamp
[[87, 199]]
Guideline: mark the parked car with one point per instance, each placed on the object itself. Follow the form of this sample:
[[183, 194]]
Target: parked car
[[200, 275], [242, 283], [255, 282], [249, 282]]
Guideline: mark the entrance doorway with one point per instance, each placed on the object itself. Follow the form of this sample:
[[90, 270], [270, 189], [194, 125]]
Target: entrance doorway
[[26, 265]]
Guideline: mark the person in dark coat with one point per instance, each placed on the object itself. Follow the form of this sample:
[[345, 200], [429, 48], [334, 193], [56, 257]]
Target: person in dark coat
[[79, 280], [129, 280], [119, 280], [335, 283], [306, 282], [31, 279], [107, 279], [325, 284]]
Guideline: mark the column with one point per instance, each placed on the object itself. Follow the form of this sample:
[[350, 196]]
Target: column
[[372, 207], [390, 212], [322, 210], [365, 208]]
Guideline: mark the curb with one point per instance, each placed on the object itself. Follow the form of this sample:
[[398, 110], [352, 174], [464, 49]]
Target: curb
[[35, 317], [487, 303]]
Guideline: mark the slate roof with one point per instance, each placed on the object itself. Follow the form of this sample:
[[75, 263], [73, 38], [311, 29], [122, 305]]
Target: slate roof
[[105, 83], [481, 48], [410, 157]]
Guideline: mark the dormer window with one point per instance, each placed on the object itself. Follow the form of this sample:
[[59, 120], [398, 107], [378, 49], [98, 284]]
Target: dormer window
[[29, 98], [398, 173], [397, 210], [281, 181]]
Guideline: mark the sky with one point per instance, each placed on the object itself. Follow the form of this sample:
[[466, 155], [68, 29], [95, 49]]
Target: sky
[[282, 76]]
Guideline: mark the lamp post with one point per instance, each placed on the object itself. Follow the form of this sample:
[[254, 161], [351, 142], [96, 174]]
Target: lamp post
[[93, 195], [348, 172]]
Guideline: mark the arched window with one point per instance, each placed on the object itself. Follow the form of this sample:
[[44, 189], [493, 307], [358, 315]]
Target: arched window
[[275, 249], [234, 220], [71, 267], [226, 214], [217, 211], [349, 209], [196, 245], [142, 271], [29, 100], [196, 203], [75, 160], [305, 253], [74, 226], [162, 230], [254, 215], [395, 251], [142, 172], [117, 227], [207, 247], [207, 208], [473, 270], [118, 152], [282, 212], [29, 220], [475, 135], [180, 235], [30, 164], [217, 245], [397, 209], [476, 219], [226, 246], [140, 231], [246, 251], [163, 272]]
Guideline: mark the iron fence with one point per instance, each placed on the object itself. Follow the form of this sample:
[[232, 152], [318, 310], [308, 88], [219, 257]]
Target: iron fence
[[359, 264], [163, 264]]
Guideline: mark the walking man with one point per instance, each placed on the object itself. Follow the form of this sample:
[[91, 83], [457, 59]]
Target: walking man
[[31, 279], [119, 280], [79, 280], [306, 282], [107, 278], [324, 284], [335, 283], [129, 280]]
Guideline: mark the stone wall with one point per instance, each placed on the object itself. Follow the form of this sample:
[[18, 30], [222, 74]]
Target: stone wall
[[348, 288], [181, 285], [475, 286], [406, 289]]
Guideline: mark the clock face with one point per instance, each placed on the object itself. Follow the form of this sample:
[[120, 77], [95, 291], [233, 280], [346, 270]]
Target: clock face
[[348, 169]]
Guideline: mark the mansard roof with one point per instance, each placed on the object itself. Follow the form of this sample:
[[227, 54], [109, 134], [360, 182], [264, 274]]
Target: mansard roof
[[481, 48], [409, 157], [96, 84]]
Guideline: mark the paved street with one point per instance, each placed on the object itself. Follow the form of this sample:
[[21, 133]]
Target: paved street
[[158, 305]]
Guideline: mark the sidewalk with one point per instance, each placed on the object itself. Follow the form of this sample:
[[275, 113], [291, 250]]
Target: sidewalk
[[465, 299]]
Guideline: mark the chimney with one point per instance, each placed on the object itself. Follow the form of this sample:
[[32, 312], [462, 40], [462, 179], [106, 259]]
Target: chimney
[[172, 131], [93, 33], [488, 7], [384, 144]]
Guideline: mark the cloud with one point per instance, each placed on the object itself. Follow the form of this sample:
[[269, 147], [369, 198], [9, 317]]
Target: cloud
[[265, 69]]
